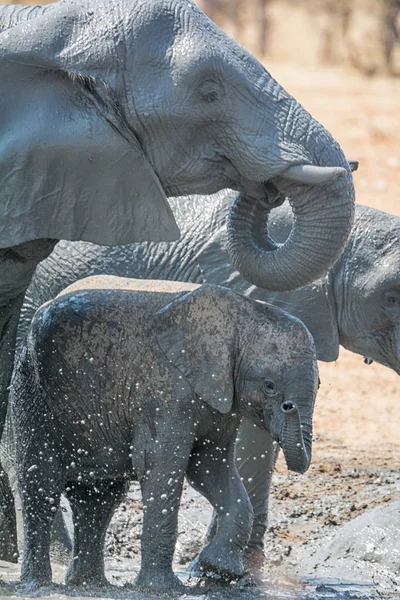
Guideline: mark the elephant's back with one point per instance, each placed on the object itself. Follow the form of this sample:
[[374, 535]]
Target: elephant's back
[[110, 282], [197, 217]]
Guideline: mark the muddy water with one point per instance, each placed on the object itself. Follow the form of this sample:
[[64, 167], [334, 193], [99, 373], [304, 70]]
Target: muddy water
[[291, 580], [122, 574], [296, 566]]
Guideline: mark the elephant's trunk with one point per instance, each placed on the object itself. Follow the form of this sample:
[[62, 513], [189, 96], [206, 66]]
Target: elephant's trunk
[[323, 215], [310, 169], [295, 439]]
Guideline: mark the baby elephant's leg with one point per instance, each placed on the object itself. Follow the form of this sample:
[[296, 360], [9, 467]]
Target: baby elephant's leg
[[161, 492], [213, 473], [40, 489], [92, 507], [255, 458]]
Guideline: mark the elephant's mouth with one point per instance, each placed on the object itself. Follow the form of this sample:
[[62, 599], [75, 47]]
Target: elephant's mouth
[[384, 349]]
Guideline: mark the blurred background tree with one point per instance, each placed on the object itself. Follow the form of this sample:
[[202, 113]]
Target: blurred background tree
[[364, 34]]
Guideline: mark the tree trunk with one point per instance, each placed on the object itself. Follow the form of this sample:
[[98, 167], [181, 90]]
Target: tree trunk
[[262, 26]]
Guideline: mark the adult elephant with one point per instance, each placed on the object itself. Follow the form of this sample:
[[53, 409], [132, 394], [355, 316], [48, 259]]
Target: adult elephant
[[110, 107], [356, 304]]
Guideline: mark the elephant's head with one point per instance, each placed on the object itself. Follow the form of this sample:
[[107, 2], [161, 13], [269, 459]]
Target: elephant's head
[[277, 381], [366, 288], [246, 357], [111, 107]]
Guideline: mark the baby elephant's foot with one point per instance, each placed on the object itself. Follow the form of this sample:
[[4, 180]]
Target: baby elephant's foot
[[219, 560], [93, 582], [159, 581], [34, 587], [86, 573]]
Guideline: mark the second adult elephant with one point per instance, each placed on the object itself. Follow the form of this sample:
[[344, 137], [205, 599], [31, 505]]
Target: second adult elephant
[[357, 304]]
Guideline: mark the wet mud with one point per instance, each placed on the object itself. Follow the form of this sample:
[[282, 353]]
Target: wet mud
[[299, 562]]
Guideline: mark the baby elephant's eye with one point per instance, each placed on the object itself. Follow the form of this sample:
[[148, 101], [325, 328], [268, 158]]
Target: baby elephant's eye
[[269, 387]]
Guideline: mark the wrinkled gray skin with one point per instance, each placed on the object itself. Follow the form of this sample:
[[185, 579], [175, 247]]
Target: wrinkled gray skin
[[110, 107], [357, 304], [149, 382]]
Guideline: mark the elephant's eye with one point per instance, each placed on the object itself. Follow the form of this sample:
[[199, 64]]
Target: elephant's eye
[[210, 91], [269, 387], [392, 298]]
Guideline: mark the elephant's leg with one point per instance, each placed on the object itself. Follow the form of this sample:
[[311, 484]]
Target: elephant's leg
[[8, 523], [213, 473], [92, 507], [40, 483], [256, 455], [17, 266], [9, 315], [161, 493]]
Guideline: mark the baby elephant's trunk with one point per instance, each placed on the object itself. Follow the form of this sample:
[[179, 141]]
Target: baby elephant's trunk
[[295, 439]]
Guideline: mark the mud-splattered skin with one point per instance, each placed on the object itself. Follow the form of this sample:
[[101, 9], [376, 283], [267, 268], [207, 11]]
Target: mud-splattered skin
[[116, 384]]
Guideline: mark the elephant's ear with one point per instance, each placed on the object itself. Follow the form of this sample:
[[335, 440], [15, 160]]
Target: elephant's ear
[[70, 167], [197, 334], [314, 304]]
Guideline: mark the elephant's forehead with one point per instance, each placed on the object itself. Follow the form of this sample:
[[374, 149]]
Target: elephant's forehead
[[287, 348], [184, 34]]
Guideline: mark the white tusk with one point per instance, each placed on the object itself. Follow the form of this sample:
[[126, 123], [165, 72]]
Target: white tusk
[[312, 175]]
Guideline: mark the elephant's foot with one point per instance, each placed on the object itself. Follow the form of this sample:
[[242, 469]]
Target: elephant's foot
[[159, 581], [34, 586], [85, 575], [219, 560], [9, 548], [96, 581]]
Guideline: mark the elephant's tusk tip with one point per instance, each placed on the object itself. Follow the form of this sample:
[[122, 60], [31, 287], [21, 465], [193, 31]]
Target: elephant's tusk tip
[[338, 172]]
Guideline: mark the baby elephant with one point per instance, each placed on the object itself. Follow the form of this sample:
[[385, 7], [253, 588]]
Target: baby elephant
[[125, 379]]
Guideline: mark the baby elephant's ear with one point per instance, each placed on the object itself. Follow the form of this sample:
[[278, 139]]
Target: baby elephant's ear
[[69, 169], [196, 332]]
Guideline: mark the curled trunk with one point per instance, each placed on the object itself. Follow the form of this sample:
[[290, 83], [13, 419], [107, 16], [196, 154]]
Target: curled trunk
[[295, 439], [323, 216]]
